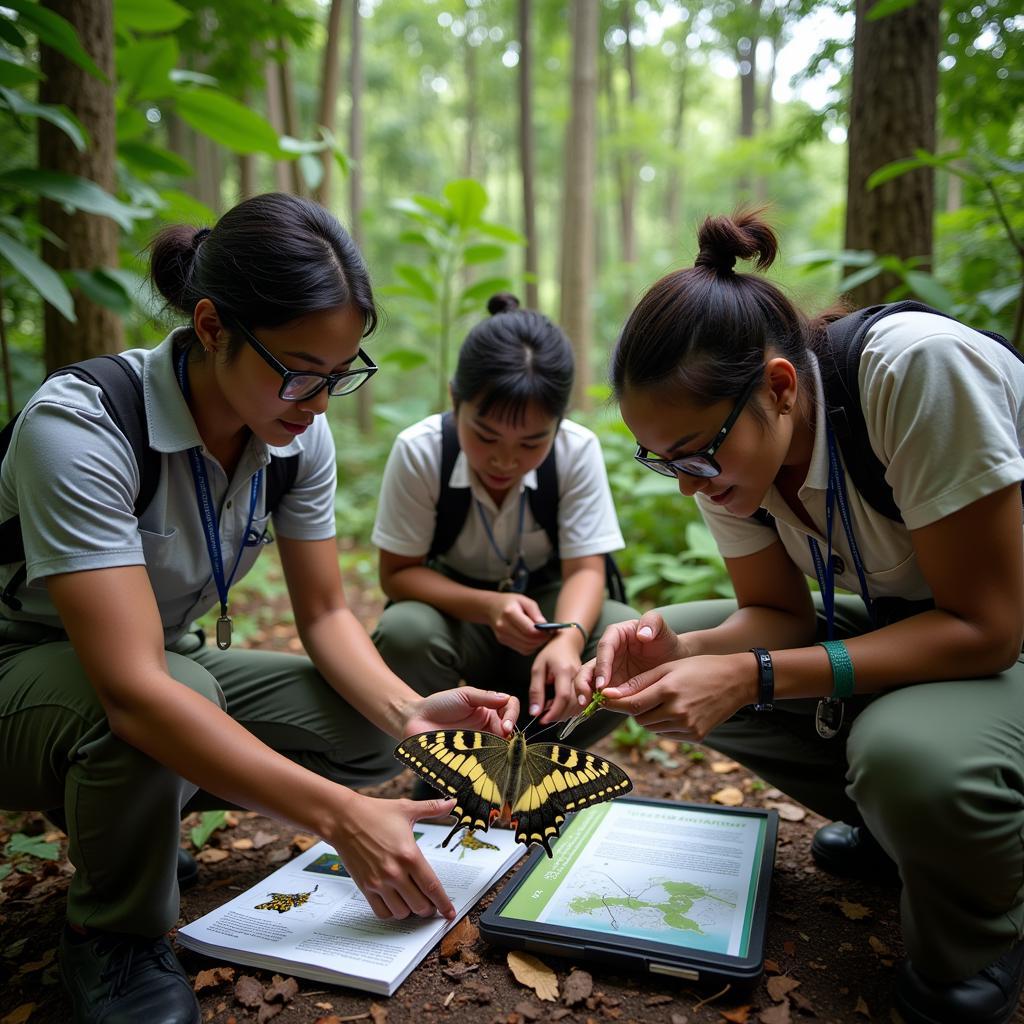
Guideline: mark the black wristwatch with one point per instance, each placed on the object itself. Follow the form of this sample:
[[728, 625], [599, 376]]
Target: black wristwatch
[[765, 680]]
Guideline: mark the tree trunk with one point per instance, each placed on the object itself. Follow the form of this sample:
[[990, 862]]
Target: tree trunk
[[674, 179], [746, 64], [472, 110], [627, 162], [90, 241], [275, 115], [578, 194], [364, 396], [892, 113], [526, 154], [290, 106], [330, 79], [207, 172]]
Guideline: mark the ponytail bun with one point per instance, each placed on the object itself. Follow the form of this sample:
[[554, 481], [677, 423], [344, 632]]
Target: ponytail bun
[[503, 302], [723, 240], [172, 259]]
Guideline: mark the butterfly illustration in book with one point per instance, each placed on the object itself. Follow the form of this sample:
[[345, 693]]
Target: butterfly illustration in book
[[282, 902], [533, 784]]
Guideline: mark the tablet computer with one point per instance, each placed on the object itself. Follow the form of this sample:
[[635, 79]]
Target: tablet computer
[[669, 888]]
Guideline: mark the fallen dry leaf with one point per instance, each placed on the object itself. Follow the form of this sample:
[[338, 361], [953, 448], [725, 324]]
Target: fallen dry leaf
[[778, 1014], [879, 946], [802, 1003], [38, 965], [577, 988], [724, 767], [787, 812], [657, 1000], [771, 967], [213, 977], [862, 1008], [20, 1014], [378, 1013], [780, 986], [458, 971], [248, 991], [324, 1006], [535, 974], [268, 1011], [280, 990], [789, 947], [332, 1019], [730, 796], [242, 844], [854, 911], [462, 936], [262, 839], [211, 855], [739, 1015], [302, 842]]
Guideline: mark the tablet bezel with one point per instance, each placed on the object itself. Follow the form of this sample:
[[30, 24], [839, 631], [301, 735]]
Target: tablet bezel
[[630, 951]]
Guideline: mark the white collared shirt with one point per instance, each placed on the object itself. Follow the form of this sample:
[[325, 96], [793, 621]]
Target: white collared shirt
[[71, 476], [944, 408], [407, 510]]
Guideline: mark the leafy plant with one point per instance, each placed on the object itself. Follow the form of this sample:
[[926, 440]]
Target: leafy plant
[[21, 848], [632, 736], [209, 822]]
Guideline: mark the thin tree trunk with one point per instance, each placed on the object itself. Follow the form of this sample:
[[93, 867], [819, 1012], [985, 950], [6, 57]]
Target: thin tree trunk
[[578, 194], [472, 110], [364, 396], [627, 161], [526, 154], [275, 115], [746, 64], [207, 172], [330, 78], [892, 113], [89, 241], [674, 179], [291, 113]]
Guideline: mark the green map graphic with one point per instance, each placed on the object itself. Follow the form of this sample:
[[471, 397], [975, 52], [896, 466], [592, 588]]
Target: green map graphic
[[675, 911]]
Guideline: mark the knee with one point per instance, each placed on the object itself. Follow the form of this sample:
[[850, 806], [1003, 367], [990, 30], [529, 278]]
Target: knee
[[196, 678], [407, 631]]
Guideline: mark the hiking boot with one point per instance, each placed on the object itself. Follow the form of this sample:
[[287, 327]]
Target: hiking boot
[[125, 979], [188, 870], [853, 852], [989, 997]]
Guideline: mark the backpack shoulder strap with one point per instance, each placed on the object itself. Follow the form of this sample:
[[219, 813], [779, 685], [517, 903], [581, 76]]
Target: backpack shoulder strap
[[543, 498], [452, 502], [281, 473]]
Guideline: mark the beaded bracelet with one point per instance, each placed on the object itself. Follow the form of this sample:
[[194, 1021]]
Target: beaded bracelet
[[842, 668]]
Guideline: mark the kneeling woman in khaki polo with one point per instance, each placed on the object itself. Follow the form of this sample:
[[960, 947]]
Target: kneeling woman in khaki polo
[[496, 519]]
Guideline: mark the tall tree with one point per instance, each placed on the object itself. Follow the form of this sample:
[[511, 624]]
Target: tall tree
[[892, 113], [364, 403], [626, 162], [276, 116], [578, 194], [88, 240], [330, 78], [526, 153], [290, 107]]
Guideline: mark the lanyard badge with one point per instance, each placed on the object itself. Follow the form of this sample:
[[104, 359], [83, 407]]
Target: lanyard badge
[[517, 575]]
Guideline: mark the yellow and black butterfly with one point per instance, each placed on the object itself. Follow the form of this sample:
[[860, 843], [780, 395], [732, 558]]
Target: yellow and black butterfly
[[535, 784], [282, 902]]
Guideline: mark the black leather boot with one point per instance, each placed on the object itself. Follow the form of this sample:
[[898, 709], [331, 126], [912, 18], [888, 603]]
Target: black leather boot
[[188, 870], [853, 852], [989, 997], [125, 979]]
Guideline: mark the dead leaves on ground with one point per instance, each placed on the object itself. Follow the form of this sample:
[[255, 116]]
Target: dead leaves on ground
[[535, 974], [268, 1001]]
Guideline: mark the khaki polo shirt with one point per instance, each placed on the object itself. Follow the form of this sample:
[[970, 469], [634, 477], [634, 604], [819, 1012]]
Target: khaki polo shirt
[[71, 476]]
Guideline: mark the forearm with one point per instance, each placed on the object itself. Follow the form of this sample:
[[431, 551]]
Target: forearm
[[420, 583], [581, 597], [748, 627]]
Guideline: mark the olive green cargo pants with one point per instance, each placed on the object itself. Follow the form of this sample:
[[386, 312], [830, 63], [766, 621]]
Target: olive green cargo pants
[[123, 809], [934, 770]]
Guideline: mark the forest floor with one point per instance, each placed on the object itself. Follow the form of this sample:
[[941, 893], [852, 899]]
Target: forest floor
[[831, 951]]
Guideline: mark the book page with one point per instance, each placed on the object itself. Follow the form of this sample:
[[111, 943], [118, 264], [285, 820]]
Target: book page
[[674, 875], [311, 913]]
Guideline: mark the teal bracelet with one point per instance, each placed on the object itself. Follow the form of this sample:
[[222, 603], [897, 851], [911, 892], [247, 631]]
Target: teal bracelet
[[842, 668]]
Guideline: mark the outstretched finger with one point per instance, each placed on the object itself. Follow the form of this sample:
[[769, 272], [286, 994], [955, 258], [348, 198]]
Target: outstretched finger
[[429, 885], [612, 641], [583, 684], [634, 694]]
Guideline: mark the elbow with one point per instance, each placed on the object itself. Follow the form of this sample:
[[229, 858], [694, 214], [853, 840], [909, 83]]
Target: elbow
[[997, 647]]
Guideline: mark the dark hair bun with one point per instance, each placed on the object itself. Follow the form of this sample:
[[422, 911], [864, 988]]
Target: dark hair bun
[[503, 302], [173, 252], [723, 240]]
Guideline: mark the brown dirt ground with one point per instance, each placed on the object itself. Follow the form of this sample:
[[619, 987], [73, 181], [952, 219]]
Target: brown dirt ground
[[832, 944]]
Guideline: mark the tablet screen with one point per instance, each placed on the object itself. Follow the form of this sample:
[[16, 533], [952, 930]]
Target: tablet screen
[[675, 874]]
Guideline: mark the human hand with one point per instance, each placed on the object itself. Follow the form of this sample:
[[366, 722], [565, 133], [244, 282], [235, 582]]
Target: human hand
[[511, 617], [685, 699], [555, 664], [374, 839], [465, 707], [625, 650]]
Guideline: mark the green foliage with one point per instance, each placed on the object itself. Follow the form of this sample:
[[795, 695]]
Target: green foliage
[[209, 822], [632, 736], [21, 845]]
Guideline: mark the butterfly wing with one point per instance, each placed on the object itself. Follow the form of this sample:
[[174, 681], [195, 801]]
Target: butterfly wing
[[559, 779], [473, 767]]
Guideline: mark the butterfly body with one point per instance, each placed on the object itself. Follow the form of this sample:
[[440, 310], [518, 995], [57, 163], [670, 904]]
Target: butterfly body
[[535, 784]]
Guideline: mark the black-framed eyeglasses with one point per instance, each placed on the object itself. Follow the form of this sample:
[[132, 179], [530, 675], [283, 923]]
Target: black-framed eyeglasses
[[299, 385], [701, 463]]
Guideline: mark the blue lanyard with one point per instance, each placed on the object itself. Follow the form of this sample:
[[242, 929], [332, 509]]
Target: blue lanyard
[[211, 527], [825, 571], [517, 555]]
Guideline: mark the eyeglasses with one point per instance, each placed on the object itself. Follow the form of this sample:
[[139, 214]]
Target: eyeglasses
[[701, 463], [300, 385]]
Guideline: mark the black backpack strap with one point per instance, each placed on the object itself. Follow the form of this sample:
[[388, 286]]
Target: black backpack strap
[[543, 499], [281, 473], [839, 364], [452, 502]]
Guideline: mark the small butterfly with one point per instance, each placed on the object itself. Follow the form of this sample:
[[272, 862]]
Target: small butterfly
[[282, 902]]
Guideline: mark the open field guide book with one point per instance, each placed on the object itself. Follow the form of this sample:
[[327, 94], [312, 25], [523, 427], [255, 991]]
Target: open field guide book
[[308, 918]]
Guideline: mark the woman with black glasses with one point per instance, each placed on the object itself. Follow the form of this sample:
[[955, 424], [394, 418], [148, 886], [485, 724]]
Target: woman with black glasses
[[877, 451], [115, 716]]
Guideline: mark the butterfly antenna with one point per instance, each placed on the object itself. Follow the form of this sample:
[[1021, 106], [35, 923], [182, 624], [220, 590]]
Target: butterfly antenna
[[545, 728]]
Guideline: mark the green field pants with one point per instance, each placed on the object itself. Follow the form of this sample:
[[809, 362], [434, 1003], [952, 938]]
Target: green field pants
[[936, 773], [123, 809], [432, 652]]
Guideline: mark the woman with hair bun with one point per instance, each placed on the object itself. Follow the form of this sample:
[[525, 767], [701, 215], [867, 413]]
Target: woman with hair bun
[[879, 452], [115, 716], [495, 518]]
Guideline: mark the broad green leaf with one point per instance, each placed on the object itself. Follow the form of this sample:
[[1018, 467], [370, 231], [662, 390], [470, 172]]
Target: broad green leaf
[[9, 34], [55, 31], [103, 289], [926, 287], [893, 170], [468, 200], [416, 238], [144, 68], [44, 279], [884, 8], [59, 116], [32, 846], [78, 193], [181, 208], [417, 280], [183, 76], [5, 870], [860, 277], [312, 171], [209, 822], [483, 290], [844, 257], [131, 124], [149, 15], [145, 157], [483, 252], [501, 232], [996, 299], [404, 358], [226, 121], [12, 73], [432, 205]]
